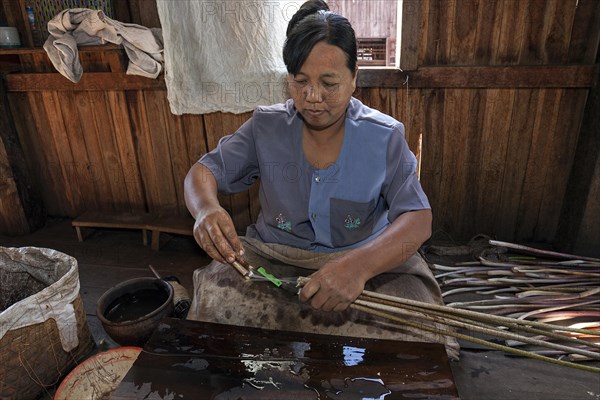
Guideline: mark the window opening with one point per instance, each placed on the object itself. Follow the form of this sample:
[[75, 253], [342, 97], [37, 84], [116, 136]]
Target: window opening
[[376, 24]]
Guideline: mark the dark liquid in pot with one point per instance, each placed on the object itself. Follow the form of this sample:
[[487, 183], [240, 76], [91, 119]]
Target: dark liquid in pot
[[132, 306]]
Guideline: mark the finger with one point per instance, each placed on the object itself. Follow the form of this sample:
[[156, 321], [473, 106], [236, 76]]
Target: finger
[[232, 238], [209, 247], [341, 307], [221, 244], [330, 305], [309, 290]]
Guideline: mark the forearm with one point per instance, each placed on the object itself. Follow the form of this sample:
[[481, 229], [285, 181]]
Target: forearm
[[200, 189], [393, 247]]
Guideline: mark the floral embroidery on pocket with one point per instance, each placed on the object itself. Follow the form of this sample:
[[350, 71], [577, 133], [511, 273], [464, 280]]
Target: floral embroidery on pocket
[[351, 223], [283, 223]]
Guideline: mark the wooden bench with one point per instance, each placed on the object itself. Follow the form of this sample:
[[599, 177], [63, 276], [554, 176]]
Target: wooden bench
[[155, 223]]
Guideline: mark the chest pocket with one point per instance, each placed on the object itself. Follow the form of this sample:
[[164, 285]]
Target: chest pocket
[[350, 221]]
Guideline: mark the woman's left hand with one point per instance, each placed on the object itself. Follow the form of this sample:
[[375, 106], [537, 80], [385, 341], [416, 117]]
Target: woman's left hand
[[333, 287]]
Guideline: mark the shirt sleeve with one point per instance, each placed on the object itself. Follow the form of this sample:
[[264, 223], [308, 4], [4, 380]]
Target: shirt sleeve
[[234, 161], [402, 189]]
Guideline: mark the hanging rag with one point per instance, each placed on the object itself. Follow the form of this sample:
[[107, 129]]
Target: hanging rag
[[224, 55], [82, 26]]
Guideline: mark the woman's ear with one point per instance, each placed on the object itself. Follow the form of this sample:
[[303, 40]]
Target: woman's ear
[[355, 79]]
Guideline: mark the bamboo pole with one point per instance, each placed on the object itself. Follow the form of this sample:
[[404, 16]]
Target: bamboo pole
[[477, 328], [546, 253], [475, 340]]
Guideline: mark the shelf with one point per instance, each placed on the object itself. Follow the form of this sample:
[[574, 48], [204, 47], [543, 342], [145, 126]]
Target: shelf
[[82, 49]]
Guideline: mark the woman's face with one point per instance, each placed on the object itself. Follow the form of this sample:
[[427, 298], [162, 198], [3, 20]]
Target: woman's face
[[322, 88]]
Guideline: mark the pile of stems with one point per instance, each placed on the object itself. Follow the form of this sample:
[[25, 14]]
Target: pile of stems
[[563, 289]]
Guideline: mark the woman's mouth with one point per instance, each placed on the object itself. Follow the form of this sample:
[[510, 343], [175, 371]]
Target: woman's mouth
[[314, 113]]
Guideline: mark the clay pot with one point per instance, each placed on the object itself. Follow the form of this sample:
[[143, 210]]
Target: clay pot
[[132, 310]]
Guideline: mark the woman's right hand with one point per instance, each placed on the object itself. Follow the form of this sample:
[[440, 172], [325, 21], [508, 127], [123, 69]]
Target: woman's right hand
[[215, 233]]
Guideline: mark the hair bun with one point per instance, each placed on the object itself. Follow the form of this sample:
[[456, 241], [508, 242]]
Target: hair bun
[[308, 8]]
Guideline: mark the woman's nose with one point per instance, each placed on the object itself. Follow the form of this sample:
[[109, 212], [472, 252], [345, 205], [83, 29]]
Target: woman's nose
[[313, 94]]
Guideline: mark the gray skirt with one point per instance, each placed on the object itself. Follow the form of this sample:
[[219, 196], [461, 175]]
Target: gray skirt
[[221, 295]]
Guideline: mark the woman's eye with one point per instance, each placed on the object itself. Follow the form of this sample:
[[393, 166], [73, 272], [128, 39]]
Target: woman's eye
[[300, 82], [330, 84]]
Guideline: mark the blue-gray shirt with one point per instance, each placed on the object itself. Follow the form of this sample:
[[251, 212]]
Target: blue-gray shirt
[[339, 207]]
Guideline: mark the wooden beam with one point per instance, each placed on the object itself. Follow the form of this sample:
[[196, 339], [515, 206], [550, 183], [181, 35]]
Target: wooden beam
[[90, 81], [576, 76], [411, 20]]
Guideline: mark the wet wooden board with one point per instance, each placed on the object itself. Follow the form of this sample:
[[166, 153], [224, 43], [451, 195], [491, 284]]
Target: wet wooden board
[[197, 360]]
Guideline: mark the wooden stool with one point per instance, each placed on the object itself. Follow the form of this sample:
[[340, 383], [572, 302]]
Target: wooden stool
[[146, 222], [169, 224]]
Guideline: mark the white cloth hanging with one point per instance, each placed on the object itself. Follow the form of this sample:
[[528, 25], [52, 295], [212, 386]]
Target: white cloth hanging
[[224, 55], [83, 26]]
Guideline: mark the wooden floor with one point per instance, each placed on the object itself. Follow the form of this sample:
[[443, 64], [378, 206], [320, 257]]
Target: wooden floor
[[108, 257]]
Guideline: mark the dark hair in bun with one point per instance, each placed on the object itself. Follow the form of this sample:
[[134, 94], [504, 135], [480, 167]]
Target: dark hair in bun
[[314, 23]]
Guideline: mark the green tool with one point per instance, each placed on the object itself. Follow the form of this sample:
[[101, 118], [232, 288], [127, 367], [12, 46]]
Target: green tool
[[287, 286], [263, 272]]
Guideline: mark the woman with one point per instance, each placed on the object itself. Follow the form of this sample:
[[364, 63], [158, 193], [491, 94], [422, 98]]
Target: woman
[[338, 193]]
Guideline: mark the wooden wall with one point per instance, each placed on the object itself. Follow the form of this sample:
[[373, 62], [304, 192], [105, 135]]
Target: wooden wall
[[372, 18], [497, 92]]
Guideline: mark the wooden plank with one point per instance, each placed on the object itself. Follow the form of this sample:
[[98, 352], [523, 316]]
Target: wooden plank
[[178, 148], [537, 162], [533, 51], [585, 34], [113, 165], [406, 107], [572, 76], [193, 128], [116, 103], [60, 141], [559, 30], [454, 178], [21, 198], [430, 32], [13, 220], [433, 138], [464, 32], [508, 34], [39, 158], [145, 13], [97, 150], [141, 131], [446, 21], [521, 127], [491, 164], [471, 166], [80, 169], [90, 81], [494, 38], [562, 151], [158, 142], [411, 29]]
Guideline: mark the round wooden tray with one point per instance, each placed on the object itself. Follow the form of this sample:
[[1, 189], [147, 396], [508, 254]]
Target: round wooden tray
[[98, 376]]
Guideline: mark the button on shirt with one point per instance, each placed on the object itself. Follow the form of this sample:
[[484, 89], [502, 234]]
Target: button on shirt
[[339, 207]]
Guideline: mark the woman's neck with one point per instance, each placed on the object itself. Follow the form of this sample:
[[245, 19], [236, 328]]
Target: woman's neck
[[322, 147]]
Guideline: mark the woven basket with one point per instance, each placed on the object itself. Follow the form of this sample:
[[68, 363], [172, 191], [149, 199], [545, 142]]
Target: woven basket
[[32, 358]]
